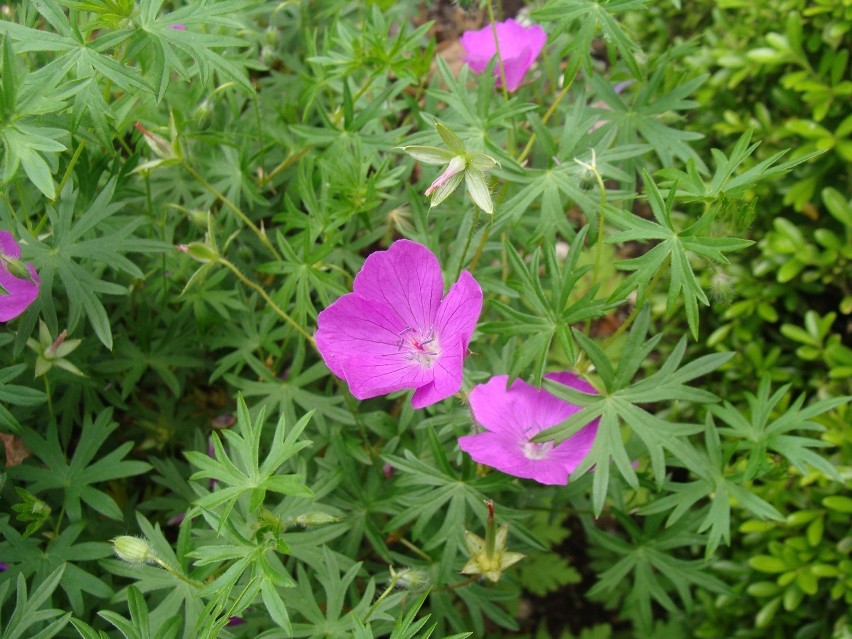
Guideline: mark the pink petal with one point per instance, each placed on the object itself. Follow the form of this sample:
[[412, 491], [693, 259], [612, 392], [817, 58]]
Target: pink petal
[[407, 277], [574, 449], [373, 375], [519, 47], [504, 411], [459, 311], [493, 449], [354, 326], [21, 293], [9, 245], [448, 376], [550, 410]]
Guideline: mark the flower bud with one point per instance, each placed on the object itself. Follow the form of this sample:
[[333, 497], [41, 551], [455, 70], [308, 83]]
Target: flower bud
[[410, 579], [316, 519], [201, 252], [133, 550]]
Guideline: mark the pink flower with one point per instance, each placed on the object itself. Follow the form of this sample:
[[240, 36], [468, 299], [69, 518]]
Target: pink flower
[[519, 47], [19, 283], [178, 27], [394, 331], [513, 417]]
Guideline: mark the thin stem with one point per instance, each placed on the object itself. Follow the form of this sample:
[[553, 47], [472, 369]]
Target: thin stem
[[162, 564], [460, 584], [548, 114], [255, 287], [475, 260], [70, 168], [467, 241], [381, 598], [497, 48], [49, 400], [285, 164], [234, 208], [415, 549]]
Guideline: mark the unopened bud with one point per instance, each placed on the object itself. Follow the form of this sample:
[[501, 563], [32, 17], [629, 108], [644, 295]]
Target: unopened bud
[[410, 579], [133, 550], [15, 268], [316, 519], [201, 252]]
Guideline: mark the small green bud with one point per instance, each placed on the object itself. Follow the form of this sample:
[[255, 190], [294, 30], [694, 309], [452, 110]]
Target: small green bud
[[201, 252], [16, 268], [410, 579], [133, 550], [316, 519]]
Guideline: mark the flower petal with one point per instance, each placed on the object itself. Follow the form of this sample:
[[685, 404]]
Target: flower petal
[[373, 375], [9, 245], [573, 450], [448, 376], [20, 293], [504, 411], [355, 326], [459, 311], [493, 449], [407, 277]]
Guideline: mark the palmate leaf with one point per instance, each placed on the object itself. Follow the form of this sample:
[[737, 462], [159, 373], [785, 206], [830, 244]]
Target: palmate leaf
[[28, 609], [77, 478], [34, 556], [712, 484], [189, 51], [77, 249], [242, 473], [621, 403], [182, 595], [583, 19], [15, 395], [647, 557], [673, 246], [758, 433], [644, 119], [549, 312]]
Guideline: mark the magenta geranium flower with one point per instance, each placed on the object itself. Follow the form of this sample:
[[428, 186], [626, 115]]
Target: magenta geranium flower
[[512, 417], [18, 282], [394, 331], [519, 47]]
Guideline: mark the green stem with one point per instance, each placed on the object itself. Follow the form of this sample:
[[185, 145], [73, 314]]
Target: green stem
[[481, 246], [381, 598], [234, 208], [549, 114], [415, 549], [467, 241], [285, 164], [49, 400], [162, 564], [497, 48], [70, 168], [259, 290]]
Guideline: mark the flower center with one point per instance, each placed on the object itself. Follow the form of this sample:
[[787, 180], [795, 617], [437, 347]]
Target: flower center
[[534, 450], [419, 346]]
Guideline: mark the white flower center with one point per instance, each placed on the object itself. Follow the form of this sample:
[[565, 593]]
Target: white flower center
[[420, 346], [533, 450]]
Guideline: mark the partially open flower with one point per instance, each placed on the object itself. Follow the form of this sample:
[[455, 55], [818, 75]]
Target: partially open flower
[[461, 164], [519, 47], [489, 557]]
